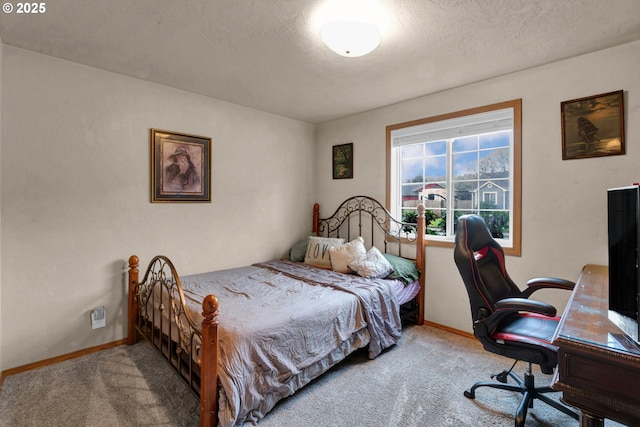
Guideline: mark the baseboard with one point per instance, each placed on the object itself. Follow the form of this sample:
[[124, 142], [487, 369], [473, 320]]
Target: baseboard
[[449, 329], [58, 359]]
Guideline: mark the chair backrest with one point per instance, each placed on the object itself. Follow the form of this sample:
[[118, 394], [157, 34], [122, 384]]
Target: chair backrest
[[480, 260]]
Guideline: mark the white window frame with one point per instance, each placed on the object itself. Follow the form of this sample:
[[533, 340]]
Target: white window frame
[[446, 127]]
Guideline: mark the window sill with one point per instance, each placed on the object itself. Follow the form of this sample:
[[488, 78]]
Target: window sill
[[448, 242]]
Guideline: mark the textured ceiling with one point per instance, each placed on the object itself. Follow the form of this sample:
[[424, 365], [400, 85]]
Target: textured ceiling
[[266, 54]]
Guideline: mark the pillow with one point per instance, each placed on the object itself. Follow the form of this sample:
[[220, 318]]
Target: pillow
[[299, 250], [403, 269], [318, 251], [342, 255], [372, 265]]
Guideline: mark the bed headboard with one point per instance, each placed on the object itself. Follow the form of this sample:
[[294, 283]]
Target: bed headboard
[[365, 216]]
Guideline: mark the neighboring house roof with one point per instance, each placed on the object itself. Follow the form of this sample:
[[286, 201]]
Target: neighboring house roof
[[431, 186], [492, 183]]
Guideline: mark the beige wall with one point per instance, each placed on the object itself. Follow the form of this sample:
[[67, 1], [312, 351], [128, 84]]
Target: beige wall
[[75, 196], [564, 202], [74, 187], [1, 84]]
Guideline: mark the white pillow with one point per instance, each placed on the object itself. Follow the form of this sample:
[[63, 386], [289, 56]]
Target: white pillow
[[342, 255], [318, 251], [372, 265]]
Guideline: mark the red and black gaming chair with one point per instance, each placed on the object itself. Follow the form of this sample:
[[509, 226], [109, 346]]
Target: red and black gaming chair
[[505, 320]]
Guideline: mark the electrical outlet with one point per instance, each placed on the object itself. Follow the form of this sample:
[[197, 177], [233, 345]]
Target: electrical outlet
[[98, 317]]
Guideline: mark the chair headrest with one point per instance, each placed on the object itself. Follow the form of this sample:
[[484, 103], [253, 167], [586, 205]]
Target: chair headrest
[[473, 233]]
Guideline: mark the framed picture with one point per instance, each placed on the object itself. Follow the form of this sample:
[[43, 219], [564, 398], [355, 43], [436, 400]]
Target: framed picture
[[180, 167], [342, 158], [593, 126]]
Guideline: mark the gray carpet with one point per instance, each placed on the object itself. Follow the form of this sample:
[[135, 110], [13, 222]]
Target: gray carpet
[[419, 382]]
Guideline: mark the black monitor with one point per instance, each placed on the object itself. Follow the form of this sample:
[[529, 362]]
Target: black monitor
[[624, 275]]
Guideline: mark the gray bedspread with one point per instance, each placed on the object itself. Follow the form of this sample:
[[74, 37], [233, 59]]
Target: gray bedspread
[[282, 324]]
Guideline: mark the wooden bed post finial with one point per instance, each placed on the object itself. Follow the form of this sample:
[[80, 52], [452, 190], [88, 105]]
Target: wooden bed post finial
[[421, 219], [316, 218], [210, 306], [132, 337], [420, 261], [209, 362]]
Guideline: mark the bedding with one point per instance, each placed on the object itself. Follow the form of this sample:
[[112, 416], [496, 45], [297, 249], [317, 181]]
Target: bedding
[[299, 250], [341, 256], [302, 320], [318, 251], [372, 265], [403, 269], [244, 338], [405, 292]]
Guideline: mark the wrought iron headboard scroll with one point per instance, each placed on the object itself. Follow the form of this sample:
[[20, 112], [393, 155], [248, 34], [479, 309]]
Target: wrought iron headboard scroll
[[365, 216]]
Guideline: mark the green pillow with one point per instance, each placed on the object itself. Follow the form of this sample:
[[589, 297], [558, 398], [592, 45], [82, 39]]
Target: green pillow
[[403, 269], [299, 249]]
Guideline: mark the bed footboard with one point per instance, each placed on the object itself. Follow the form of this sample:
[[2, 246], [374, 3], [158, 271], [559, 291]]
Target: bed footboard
[[159, 314]]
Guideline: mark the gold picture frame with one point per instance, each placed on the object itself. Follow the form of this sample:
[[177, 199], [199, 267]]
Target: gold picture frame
[[593, 126], [180, 167]]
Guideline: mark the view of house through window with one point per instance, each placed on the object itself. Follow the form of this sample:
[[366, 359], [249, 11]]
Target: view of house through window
[[457, 164]]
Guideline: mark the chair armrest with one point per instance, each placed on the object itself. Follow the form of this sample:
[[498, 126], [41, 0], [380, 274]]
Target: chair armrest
[[524, 304], [546, 283], [508, 306]]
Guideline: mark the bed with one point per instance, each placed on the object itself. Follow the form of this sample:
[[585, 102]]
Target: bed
[[245, 338]]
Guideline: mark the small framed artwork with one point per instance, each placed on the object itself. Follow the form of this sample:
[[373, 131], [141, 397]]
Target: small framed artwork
[[593, 126], [180, 167], [342, 158]]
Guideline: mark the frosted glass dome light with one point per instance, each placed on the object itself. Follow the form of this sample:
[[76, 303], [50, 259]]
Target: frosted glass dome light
[[350, 38]]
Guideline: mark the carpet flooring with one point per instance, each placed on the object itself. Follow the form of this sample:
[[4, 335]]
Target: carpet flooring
[[418, 382]]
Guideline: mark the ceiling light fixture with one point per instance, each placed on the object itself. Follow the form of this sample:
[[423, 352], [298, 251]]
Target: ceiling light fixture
[[349, 27], [350, 38]]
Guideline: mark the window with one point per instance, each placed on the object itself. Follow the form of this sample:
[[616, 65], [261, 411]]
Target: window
[[490, 198], [457, 164]]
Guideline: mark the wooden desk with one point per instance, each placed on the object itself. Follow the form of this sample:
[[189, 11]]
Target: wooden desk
[[598, 365]]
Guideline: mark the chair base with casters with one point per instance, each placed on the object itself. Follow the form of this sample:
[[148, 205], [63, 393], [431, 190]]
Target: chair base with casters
[[527, 388]]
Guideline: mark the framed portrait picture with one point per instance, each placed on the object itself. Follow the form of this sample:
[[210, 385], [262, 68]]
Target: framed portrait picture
[[180, 167], [593, 126], [342, 158]]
